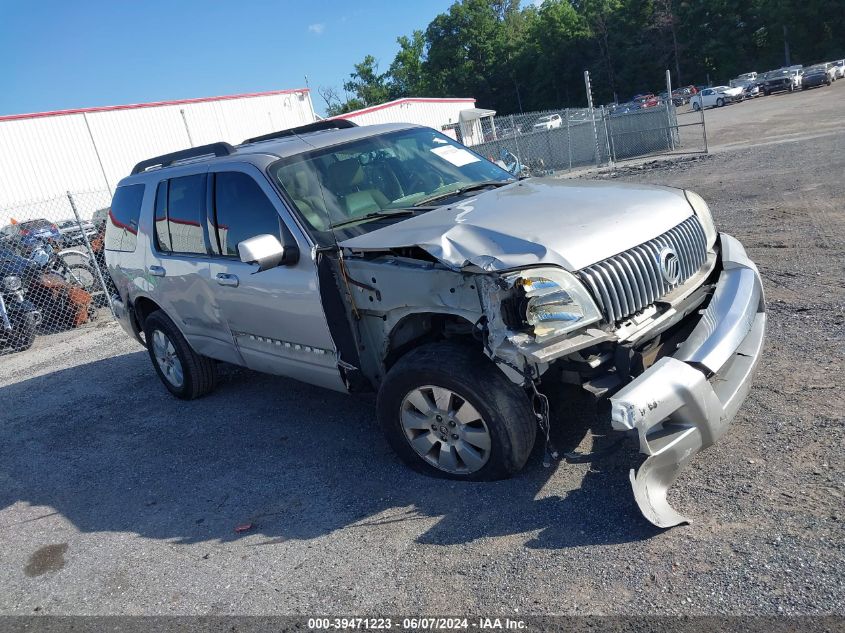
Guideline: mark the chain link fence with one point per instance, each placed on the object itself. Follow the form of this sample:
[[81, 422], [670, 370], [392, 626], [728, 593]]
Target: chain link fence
[[52, 267], [544, 143]]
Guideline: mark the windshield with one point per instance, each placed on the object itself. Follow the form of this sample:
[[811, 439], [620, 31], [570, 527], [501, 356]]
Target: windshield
[[357, 187]]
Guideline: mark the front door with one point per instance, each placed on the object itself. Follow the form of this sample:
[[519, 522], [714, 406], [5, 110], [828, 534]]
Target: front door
[[276, 316]]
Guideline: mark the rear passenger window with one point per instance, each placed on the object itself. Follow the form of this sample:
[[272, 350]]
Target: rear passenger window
[[241, 211], [122, 224], [184, 207]]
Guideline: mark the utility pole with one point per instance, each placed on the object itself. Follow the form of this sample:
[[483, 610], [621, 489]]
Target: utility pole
[[786, 46]]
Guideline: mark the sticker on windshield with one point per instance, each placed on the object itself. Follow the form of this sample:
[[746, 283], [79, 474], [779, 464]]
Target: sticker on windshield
[[455, 155]]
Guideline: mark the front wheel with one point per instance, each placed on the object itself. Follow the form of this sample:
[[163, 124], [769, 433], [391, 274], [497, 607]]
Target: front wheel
[[186, 374], [447, 411], [720, 103], [23, 335]]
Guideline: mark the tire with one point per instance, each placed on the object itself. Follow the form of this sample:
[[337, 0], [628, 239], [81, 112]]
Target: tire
[[720, 102], [467, 377], [23, 338], [695, 106], [765, 93], [85, 276], [198, 373]]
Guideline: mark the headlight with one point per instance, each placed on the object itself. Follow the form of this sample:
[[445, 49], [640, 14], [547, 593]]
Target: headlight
[[556, 303], [11, 283], [703, 212]]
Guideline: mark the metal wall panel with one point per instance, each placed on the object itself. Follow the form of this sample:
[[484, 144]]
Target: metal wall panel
[[44, 156], [434, 113]]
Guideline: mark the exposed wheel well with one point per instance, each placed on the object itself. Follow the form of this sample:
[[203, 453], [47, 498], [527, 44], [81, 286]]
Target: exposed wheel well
[[142, 307], [427, 327]]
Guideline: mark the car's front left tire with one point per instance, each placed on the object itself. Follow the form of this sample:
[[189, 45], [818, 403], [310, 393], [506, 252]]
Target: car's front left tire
[[448, 411], [186, 374]]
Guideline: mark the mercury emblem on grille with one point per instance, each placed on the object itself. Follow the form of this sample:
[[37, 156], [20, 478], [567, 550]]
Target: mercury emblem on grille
[[670, 265]]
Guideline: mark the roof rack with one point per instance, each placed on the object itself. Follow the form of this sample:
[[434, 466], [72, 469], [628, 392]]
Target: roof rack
[[327, 124], [213, 149]]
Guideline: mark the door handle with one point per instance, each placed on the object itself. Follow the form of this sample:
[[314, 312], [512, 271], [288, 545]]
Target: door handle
[[225, 279], [157, 271]]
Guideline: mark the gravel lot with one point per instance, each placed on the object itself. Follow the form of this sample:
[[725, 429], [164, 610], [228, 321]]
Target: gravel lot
[[115, 498]]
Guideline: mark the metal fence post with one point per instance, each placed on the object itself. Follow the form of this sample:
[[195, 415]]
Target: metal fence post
[[606, 137], [516, 141], [91, 252], [703, 128], [669, 105], [569, 138], [592, 113]]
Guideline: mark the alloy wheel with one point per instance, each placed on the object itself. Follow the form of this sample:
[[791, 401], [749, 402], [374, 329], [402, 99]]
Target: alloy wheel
[[445, 430], [167, 359]]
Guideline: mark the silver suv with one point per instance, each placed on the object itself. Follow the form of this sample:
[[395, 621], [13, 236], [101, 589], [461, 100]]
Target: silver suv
[[391, 258]]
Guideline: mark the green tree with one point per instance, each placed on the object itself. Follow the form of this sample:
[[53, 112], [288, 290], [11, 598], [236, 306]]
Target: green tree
[[406, 75]]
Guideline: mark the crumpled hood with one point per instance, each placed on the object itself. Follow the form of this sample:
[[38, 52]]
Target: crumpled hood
[[567, 223]]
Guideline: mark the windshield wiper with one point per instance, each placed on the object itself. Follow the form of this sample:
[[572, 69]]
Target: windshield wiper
[[372, 216], [460, 190]]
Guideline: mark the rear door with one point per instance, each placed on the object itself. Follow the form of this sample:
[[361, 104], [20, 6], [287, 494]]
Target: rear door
[[178, 267], [276, 316]]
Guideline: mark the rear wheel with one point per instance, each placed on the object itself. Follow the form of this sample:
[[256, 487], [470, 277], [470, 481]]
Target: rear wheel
[[448, 412], [82, 275], [186, 374], [720, 102], [695, 106]]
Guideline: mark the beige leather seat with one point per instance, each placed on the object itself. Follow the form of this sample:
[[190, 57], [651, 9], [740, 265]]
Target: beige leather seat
[[305, 191], [346, 180]]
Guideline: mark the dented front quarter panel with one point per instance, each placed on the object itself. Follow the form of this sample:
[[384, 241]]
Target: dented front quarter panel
[[386, 290]]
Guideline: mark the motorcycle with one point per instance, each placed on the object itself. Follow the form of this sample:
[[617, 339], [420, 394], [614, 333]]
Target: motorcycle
[[59, 289], [19, 318]]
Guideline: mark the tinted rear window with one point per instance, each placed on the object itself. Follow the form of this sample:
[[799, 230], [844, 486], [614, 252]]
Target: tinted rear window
[[122, 224], [184, 210]]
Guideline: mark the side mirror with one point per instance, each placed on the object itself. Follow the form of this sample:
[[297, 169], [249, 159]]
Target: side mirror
[[266, 251]]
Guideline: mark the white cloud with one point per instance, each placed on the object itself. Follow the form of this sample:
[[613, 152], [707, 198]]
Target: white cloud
[[317, 29]]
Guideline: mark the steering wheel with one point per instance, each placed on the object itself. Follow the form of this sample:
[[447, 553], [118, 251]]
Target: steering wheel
[[428, 181]]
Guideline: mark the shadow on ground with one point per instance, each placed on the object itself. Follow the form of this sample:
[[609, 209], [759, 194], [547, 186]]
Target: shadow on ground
[[106, 447]]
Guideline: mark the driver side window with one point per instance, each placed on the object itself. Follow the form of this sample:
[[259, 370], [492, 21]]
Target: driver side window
[[241, 211]]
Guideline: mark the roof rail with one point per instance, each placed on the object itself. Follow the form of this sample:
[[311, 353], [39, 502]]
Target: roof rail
[[213, 149], [327, 124]]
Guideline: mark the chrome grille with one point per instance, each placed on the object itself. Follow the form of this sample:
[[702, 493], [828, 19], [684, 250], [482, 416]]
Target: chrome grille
[[626, 283]]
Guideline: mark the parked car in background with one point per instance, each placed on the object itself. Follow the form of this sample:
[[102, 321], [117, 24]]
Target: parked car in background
[[31, 233], [507, 132], [450, 289], [716, 97], [783, 80], [550, 122], [646, 100], [678, 97], [72, 232], [831, 69], [840, 68], [749, 82], [815, 76]]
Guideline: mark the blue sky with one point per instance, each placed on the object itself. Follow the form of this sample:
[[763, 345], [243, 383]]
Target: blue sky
[[58, 55]]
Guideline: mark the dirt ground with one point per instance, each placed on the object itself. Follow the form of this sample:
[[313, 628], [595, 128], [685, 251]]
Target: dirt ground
[[115, 498]]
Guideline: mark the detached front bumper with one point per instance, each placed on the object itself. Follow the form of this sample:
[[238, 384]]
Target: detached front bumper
[[684, 403]]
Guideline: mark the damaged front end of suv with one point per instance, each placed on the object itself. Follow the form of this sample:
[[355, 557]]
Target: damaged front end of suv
[[669, 328]]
